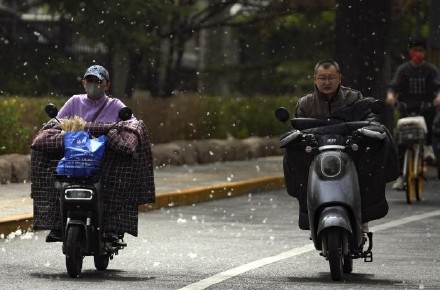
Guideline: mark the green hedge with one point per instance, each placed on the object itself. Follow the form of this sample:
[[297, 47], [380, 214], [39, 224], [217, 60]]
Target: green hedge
[[20, 120], [186, 117]]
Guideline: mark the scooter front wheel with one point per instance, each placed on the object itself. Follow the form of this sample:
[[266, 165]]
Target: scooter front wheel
[[74, 257], [348, 264], [334, 253]]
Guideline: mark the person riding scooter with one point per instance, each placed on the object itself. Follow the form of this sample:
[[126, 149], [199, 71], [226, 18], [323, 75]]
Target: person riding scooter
[[332, 100], [126, 172]]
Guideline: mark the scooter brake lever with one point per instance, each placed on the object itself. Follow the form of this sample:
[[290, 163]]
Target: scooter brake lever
[[353, 140], [311, 142]]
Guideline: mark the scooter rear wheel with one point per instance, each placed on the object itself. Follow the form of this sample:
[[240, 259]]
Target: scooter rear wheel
[[74, 257], [101, 262], [334, 253]]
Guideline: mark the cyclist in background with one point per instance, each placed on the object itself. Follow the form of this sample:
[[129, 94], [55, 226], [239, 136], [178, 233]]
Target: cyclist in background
[[417, 83]]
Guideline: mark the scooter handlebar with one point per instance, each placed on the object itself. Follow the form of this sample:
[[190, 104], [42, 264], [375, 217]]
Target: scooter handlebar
[[311, 132]]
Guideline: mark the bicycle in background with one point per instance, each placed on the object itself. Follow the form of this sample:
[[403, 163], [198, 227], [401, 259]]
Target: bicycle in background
[[411, 133]]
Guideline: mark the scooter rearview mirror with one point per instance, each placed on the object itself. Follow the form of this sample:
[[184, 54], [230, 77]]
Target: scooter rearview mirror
[[125, 113], [51, 110], [282, 114]]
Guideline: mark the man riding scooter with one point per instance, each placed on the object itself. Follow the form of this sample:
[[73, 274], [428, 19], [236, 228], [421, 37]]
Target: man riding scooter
[[376, 167]]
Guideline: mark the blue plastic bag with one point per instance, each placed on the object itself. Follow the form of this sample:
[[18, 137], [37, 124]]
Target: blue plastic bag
[[82, 154]]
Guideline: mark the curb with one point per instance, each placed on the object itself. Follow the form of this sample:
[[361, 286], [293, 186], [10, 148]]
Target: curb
[[216, 191], [11, 224], [194, 195]]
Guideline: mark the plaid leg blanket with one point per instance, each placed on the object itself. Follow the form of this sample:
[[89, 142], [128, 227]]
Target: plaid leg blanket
[[126, 177]]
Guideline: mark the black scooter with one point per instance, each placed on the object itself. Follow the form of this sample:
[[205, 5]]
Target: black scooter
[[81, 208], [333, 196]]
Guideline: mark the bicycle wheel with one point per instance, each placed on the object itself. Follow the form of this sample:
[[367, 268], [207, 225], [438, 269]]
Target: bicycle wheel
[[420, 178], [410, 176]]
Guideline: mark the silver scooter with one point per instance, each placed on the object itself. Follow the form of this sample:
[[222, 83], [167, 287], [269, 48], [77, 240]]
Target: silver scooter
[[333, 195]]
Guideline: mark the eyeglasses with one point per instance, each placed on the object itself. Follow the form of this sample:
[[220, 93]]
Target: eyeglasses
[[327, 78], [93, 80]]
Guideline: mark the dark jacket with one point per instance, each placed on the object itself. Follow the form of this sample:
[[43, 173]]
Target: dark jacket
[[316, 105]]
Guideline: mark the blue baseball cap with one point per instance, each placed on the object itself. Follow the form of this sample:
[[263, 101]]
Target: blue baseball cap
[[98, 71]]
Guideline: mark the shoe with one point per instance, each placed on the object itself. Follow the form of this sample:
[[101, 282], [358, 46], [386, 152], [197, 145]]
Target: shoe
[[111, 236], [365, 228], [54, 236], [399, 184], [303, 221]]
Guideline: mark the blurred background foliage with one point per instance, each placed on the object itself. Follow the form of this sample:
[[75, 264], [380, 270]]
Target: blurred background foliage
[[217, 47], [182, 117], [197, 68]]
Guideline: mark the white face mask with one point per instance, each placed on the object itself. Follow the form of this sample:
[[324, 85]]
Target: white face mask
[[94, 91]]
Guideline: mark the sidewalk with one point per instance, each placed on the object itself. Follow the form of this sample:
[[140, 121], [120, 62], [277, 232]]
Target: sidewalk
[[175, 185]]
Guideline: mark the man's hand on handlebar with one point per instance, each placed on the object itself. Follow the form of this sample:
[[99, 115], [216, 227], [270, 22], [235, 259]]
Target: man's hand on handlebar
[[390, 99], [436, 101]]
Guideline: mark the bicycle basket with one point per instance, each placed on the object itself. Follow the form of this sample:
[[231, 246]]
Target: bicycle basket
[[410, 136], [411, 130]]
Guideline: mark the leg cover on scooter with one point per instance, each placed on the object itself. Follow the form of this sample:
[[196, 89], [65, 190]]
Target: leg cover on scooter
[[296, 165], [374, 171]]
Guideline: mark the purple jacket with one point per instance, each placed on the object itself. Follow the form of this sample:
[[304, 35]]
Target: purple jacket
[[82, 106]]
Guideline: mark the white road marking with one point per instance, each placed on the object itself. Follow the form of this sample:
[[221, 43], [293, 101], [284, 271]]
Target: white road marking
[[405, 220], [220, 277]]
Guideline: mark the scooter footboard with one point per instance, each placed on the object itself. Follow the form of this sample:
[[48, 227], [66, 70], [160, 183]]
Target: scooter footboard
[[335, 216]]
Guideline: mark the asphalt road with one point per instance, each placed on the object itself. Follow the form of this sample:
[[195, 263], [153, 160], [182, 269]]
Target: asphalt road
[[246, 242]]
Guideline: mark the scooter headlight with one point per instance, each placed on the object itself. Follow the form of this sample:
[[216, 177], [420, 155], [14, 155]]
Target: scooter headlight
[[78, 193], [331, 165]]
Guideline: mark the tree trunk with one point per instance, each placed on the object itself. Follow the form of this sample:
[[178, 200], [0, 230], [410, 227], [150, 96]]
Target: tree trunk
[[218, 57], [434, 35], [361, 43], [120, 70]]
